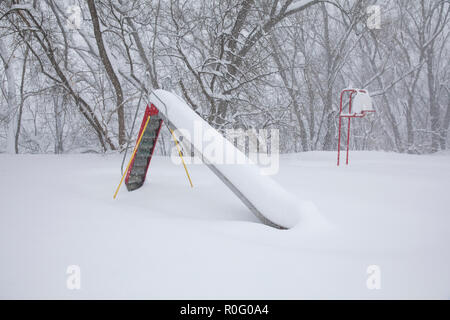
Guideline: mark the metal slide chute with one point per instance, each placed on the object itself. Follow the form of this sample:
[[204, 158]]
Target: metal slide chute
[[260, 194]]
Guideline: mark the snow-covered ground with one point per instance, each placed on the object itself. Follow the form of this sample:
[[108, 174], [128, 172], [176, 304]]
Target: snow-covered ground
[[167, 240]]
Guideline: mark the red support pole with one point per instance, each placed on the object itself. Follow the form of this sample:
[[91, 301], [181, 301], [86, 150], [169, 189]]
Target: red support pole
[[339, 141], [348, 139], [352, 91], [348, 129]]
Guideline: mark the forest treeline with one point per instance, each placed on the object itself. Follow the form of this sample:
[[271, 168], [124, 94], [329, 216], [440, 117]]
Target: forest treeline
[[74, 72]]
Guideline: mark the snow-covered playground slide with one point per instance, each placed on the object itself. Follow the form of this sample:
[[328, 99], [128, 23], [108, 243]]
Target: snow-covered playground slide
[[272, 204]]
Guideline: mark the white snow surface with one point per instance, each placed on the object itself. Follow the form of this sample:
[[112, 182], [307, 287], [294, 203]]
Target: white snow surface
[[167, 240], [264, 193]]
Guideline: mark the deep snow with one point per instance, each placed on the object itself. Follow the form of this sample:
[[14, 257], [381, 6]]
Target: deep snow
[[167, 240]]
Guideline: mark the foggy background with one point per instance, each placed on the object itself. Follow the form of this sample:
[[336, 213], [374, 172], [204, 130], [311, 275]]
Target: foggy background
[[74, 72]]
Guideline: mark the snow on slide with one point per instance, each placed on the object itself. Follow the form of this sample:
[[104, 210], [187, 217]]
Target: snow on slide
[[262, 195]]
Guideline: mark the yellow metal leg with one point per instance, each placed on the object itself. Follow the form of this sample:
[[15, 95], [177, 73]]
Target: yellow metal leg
[[132, 157], [181, 156]]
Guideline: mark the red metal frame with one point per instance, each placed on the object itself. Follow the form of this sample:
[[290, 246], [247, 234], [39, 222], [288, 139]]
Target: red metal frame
[[149, 112], [349, 116]]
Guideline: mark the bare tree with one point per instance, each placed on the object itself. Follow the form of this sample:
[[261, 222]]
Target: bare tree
[[109, 70]]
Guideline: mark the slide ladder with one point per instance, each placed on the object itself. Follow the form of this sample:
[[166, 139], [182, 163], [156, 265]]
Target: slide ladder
[[140, 162]]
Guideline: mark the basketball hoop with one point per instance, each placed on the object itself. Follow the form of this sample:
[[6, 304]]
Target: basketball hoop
[[358, 107]]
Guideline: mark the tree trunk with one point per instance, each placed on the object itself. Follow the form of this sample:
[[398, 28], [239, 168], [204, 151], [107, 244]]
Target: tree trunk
[[109, 70], [8, 63], [328, 103], [445, 125], [292, 95], [434, 109]]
